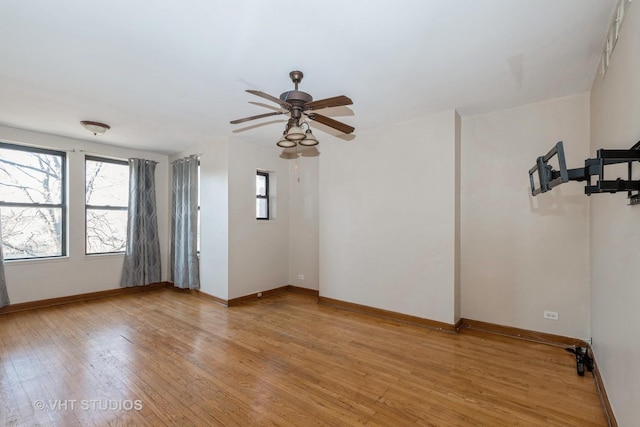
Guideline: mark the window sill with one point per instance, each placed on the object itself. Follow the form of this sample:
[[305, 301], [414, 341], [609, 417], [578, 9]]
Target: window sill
[[12, 262], [105, 255]]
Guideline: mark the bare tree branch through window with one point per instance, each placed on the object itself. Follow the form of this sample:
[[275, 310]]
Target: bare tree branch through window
[[107, 197], [32, 201]]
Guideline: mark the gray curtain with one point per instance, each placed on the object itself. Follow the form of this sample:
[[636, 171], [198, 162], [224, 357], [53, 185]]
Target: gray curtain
[[185, 267], [142, 254], [4, 296]]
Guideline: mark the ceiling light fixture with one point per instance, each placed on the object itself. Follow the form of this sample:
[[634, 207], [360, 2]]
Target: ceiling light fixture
[[284, 142], [96, 128], [294, 135], [309, 139]]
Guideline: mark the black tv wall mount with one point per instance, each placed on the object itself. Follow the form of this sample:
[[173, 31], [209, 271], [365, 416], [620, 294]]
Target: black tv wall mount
[[548, 177]]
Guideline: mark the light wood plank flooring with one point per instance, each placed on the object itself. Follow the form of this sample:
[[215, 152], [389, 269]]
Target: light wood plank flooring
[[283, 360]]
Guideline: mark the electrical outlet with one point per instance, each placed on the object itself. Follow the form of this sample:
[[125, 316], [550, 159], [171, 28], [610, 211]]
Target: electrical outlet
[[551, 315], [301, 276]]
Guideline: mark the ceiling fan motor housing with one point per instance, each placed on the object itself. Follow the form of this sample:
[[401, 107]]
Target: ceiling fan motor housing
[[295, 97]]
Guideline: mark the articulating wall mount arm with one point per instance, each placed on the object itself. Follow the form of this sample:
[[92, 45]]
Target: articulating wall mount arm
[[548, 177]]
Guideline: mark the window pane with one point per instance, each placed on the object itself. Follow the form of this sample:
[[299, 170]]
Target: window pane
[[31, 232], [107, 184], [261, 208], [261, 185], [106, 231], [27, 177]]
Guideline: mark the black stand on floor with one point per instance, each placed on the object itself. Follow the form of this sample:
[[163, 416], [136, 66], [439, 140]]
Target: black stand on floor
[[582, 359]]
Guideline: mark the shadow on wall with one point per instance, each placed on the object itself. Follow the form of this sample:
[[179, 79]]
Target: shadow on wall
[[553, 202], [294, 153]]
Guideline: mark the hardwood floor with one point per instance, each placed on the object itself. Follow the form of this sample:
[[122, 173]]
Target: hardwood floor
[[169, 358]]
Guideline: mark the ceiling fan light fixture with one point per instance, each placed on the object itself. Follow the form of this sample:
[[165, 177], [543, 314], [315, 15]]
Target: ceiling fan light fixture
[[295, 134], [309, 139], [285, 143], [96, 128]]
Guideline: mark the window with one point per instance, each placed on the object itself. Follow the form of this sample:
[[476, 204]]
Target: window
[[262, 195], [107, 198], [32, 202]]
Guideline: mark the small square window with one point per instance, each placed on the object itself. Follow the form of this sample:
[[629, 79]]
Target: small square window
[[262, 195]]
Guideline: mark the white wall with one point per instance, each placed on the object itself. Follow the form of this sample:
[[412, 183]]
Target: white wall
[[522, 255], [258, 250], [77, 273], [387, 218], [615, 230], [240, 255], [303, 220]]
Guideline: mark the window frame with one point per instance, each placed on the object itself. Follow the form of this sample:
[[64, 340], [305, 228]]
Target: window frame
[[266, 196], [100, 207], [63, 197]]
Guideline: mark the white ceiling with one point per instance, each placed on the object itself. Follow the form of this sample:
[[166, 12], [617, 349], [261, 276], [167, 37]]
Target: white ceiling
[[170, 75]]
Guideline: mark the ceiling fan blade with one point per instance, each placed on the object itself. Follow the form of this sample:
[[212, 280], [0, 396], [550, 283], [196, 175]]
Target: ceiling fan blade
[[269, 97], [342, 127], [336, 101], [265, 105], [259, 116]]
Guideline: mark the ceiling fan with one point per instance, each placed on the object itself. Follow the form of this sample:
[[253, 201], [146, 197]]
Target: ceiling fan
[[298, 105]]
